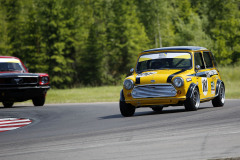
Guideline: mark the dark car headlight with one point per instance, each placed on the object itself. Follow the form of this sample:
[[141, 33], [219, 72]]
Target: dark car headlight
[[128, 84], [178, 82], [44, 80]]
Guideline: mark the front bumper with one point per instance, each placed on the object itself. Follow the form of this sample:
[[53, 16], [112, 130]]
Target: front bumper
[[19, 94], [156, 101]]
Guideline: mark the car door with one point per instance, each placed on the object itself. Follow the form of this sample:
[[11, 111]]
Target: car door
[[201, 75], [211, 73]]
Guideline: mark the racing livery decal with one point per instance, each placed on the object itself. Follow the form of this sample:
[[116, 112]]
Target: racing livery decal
[[205, 74], [146, 74], [212, 87], [143, 75], [204, 86]]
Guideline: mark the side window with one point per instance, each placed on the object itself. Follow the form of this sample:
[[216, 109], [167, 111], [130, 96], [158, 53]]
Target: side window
[[208, 59], [199, 60], [214, 61]]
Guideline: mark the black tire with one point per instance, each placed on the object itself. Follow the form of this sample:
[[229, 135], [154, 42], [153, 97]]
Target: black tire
[[192, 103], [157, 109], [39, 101], [220, 99], [7, 104], [127, 110]]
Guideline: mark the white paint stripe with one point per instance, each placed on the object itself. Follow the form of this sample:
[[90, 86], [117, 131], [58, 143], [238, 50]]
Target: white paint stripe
[[7, 124], [7, 129], [12, 60], [14, 124], [6, 119], [14, 121]]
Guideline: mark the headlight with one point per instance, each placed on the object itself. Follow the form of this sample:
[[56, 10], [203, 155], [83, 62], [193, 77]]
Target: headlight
[[44, 80], [128, 84], [178, 82]]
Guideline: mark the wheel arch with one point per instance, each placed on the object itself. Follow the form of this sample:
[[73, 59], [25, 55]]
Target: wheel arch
[[219, 82], [190, 90]]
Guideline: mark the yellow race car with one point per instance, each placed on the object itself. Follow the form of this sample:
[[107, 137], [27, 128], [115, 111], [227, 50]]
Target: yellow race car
[[172, 76]]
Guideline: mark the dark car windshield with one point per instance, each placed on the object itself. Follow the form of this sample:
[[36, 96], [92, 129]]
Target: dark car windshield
[[10, 65], [164, 60]]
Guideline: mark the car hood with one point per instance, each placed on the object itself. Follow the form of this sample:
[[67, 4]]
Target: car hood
[[157, 77]]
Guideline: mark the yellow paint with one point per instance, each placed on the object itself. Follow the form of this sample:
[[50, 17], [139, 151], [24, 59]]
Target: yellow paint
[[161, 76]]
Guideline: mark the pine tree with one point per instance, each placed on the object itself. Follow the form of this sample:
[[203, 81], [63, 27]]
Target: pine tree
[[92, 66], [3, 30], [55, 34], [14, 27], [156, 17], [126, 38]]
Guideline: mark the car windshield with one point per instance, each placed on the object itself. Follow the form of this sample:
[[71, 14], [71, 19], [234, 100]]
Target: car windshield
[[164, 60], [10, 65]]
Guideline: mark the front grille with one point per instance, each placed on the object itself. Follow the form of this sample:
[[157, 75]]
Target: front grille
[[18, 81], [154, 91]]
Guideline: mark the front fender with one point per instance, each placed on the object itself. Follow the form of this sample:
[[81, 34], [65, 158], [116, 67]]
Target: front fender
[[190, 90], [218, 86]]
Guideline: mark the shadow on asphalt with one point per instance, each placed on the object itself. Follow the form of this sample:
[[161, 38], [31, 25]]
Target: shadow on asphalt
[[149, 113], [14, 107]]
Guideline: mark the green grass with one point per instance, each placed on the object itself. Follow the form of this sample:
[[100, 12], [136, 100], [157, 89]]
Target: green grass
[[86, 94], [231, 78]]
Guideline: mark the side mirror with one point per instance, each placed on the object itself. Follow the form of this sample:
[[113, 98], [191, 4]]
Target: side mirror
[[131, 70], [197, 68]]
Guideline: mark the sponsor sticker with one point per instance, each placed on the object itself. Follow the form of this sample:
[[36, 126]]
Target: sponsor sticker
[[212, 88], [146, 74], [204, 86]]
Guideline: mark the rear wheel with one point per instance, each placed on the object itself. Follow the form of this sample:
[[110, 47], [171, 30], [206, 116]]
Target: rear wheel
[[192, 103], [126, 109], [39, 101], [8, 104], [220, 99]]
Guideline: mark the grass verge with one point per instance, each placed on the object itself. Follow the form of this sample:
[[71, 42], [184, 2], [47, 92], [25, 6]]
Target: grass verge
[[86, 94], [231, 78]]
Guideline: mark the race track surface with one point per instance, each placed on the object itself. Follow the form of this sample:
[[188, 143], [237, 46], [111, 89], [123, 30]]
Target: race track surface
[[98, 132]]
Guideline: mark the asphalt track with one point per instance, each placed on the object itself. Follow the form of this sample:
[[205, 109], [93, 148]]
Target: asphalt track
[[98, 132]]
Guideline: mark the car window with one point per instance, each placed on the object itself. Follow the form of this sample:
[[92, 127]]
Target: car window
[[10, 67], [164, 60], [214, 61], [208, 59], [199, 60]]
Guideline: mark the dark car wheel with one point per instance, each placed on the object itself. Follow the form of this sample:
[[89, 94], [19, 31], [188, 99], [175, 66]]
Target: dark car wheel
[[7, 104], [127, 110], [157, 109], [192, 103], [39, 101], [220, 99]]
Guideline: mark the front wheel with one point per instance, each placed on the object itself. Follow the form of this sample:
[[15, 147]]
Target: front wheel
[[126, 109], [192, 103], [39, 101], [7, 104], [220, 99]]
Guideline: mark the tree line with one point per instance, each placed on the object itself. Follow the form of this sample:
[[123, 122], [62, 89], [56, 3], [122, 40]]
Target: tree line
[[96, 42]]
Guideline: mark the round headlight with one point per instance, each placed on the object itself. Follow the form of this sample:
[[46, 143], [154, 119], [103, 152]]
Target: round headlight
[[128, 84], [178, 82], [44, 80]]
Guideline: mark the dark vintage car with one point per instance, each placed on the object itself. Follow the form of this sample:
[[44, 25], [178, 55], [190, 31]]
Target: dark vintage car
[[17, 84]]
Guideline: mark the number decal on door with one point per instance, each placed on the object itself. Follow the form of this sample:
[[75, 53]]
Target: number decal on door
[[204, 86]]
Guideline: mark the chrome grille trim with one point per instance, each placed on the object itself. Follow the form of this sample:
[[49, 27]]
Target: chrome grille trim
[[154, 91]]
